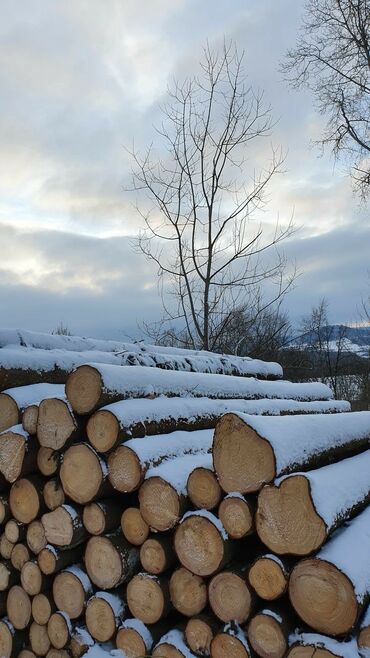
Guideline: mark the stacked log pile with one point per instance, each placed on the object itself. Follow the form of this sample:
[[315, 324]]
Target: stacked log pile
[[131, 527]]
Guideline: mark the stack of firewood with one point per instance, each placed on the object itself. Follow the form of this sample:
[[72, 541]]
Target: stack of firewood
[[130, 527]]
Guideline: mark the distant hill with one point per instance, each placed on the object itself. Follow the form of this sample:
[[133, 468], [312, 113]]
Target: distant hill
[[356, 341]]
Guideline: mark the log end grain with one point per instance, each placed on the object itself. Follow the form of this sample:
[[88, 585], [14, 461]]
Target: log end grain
[[39, 639], [102, 430], [29, 419], [268, 578], [101, 619], [199, 545], [125, 473], [9, 412], [25, 500], [47, 461], [266, 637], [58, 630], [81, 473], [147, 598], [199, 635], [6, 640], [236, 515], [188, 592], [12, 453], [160, 504], [225, 644], [69, 594], [130, 642], [203, 488], [134, 528], [55, 423], [230, 597], [18, 607], [83, 389]]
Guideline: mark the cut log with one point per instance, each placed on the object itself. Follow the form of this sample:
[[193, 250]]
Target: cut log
[[71, 590], [136, 418], [172, 645], [14, 401], [232, 641], [63, 527], [51, 559], [203, 489], [58, 653], [56, 424], [8, 575], [230, 596], [268, 575], [26, 500], [110, 560], [202, 544], [20, 555], [162, 496], [36, 539], [18, 454], [53, 493], [81, 642], [39, 639], [236, 514], [29, 418], [330, 590], [148, 597], [199, 633], [59, 629], [102, 516], [135, 639], [11, 640], [268, 633], [188, 592], [296, 515], [18, 607], [306, 645], [250, 451], [363, 639], [104, 613], [157, 554], [6, 547], [5, 513], [43, 607], [134, 528], [129, 463], [33, 580], [94, 385], [26, 653], [84, 475], [9, 412], [15, 531], [48, 461]]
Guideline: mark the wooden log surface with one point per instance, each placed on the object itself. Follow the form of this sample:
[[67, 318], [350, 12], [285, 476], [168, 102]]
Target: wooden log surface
[[148, 597], [133, 526], [18, 453], [104, 614], [230, 595], [135, 639], [188, 592], [102, 516], [231, 641], [203, 489], [14, 401], [18, 607], [84, 474], [236, 514], [53, 494], [199, 633], [25, 498], [12, 640], [268, 632], [172, 645], [64, 527], [157, 554], [110, 560], [57, 426], [202, 544], [269, 576], [71, 590]]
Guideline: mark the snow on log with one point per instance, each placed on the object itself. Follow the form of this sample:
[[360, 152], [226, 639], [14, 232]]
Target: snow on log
[[236, 514], [297, 513], [71, 590], [110, 560], [14, 401], [162, 496], [188, 592], [199, 633], [202, 544], [330, 590], [268, 633], [64, 527], [135, 418], [134, 638], [57, 425], [231, 641], [104, 613], [18, 453], [363, 639], [148, 597], [95, 384], [51, 559], [172, 645], [84, 474], [203, 489], [305, 645], [230, 596], [269, 576], [250, 451], [129, 463]]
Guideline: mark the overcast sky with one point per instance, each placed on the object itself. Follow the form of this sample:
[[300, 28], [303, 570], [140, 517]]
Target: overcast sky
[[80, 80]]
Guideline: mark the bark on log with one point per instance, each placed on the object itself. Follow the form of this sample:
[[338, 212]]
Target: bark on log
[[306, 645], [199, 633], [162, 496], [51, 559], [57, 426], [330, 590], [33, 580], [157, 554], [148, 597], [84, 474], [102, 516], [53, 493], [14, 401], [104, 613], [129, 463], [26, 500], [236, 514], [81, 642], [11, 640], [43, 607], [63, 526], [269, 576], [134, 528], [94, 385], [36, 539], [232, 641], [230, 596], [201, 543], [18, 607], [8, 575], [135, 639], [250, 451], [48, 461], [18, 454], [110, 560], [203, 489], [296, 515], [188, 592], [39, 639], [59, 629], [71, 590], [19, 556]]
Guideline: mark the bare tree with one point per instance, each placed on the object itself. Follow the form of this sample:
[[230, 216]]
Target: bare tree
[[203, 227], [332, 58], [61, 330]]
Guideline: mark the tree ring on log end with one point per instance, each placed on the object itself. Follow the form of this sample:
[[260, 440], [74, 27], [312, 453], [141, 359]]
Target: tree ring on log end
[[83, 389], [236, 517], [267, 578], [199, 545], [103, 563], [125, 473], [145, 599], [130, 642], [81, 473], [69, 594], [224, 645], [102, 430], [229, 597], [159, 504], [266, 637]]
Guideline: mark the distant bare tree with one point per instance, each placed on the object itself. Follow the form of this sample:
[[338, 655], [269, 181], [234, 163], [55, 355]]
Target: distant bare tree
[[332, 58], [203, 230], [61, 330]]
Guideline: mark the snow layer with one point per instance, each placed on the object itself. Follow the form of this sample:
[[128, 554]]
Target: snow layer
[[82, 577], [176, 639], [151, 450], [343, 649], [102, 651], [294, 438], [16, 429], [349, 550], [365, 621], [335, 489], [135, 411], [131, 382], [144, 632], [176, 471], [211, 517], [24, 396], [234, 629], [115, 602]]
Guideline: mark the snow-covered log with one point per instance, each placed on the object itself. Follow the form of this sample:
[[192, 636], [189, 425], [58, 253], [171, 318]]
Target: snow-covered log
[[134, 638], [13, 401], [129, 463], [250, 451], [64, 527], [148, 597], [162, 496], [236, 514], [202, 544], [71, 591], [95, 384], [188, 592], [81, 641], [133, 526], [57, 425], [172, 645], [84, 474], [330, 590], [199, 633], [110, 560], [231, 641], [268, 632], [203, 489], [269, 576], [18, 453], [135, 418], [297, 513], [305, 645], [104, 613], [363, 639], [51, 559], [230, 596], [157, 554]]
